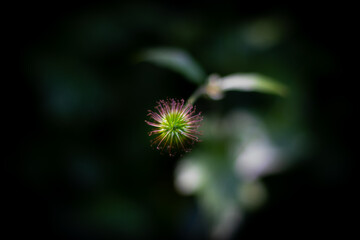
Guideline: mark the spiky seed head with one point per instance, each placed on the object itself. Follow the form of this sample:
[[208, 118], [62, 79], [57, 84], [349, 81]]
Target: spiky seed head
[[175, 126]]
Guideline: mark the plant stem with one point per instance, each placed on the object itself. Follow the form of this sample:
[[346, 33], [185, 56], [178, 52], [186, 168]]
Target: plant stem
[[198, 92]]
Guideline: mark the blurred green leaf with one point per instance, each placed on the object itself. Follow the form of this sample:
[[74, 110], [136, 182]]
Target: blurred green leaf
[[176, 60], [252, 82]]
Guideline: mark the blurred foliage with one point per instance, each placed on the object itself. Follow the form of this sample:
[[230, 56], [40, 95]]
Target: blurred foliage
[[177, 60], [223, 173], [85, 166]]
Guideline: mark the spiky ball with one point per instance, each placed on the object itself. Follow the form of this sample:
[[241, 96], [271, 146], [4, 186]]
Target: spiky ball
[[175, 126]]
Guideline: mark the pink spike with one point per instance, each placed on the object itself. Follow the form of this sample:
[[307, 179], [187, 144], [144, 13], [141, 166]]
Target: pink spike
[[153, 124], [162, 139]]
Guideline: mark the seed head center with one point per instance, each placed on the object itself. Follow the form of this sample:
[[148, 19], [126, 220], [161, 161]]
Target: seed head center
[[175, 123]]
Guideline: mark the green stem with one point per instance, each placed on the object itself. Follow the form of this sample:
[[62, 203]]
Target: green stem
[[198, 92]]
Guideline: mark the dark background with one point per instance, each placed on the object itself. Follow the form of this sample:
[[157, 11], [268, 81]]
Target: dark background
[[91, 146]]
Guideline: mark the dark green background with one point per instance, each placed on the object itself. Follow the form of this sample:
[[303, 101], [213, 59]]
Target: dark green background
[[83, 167]]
